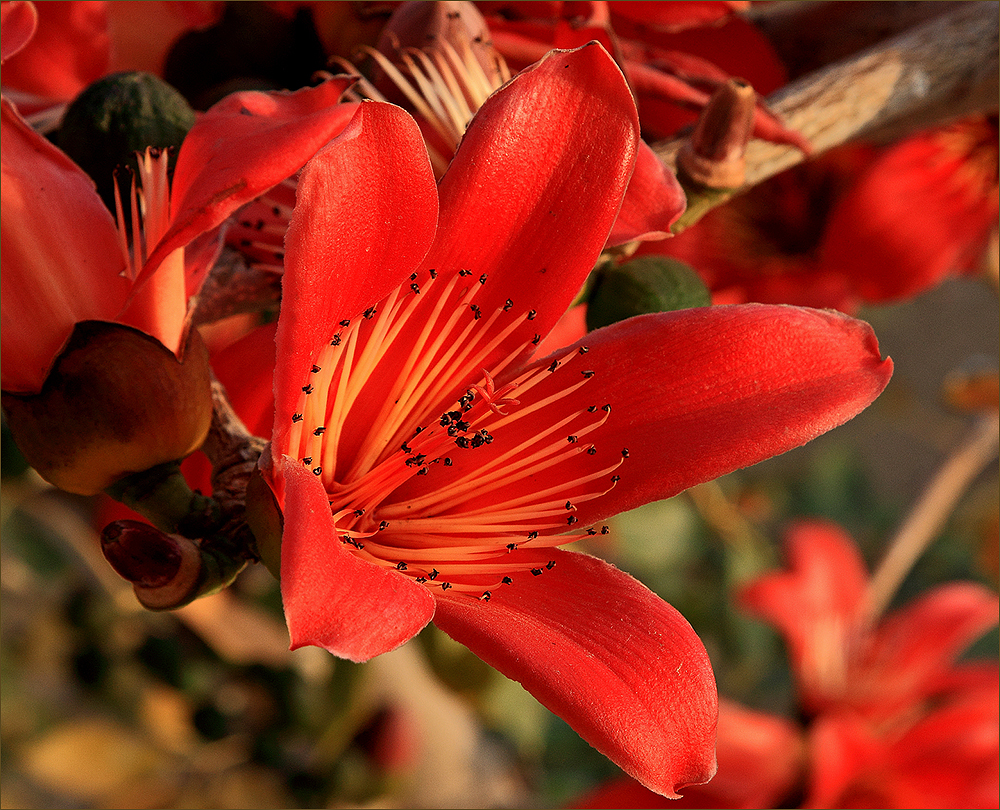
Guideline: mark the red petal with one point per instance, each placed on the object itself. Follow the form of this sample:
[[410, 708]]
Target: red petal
[[18, 21], [537, 182], [333, 599], [921, 211], [697, 393], [61, 256], [819, 593], [364, 217], [599, 649], [653, 201], [241, 147], [916, 646], [70, 49]]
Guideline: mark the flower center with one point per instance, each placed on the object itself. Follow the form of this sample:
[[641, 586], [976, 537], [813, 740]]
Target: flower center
[[396, 427]]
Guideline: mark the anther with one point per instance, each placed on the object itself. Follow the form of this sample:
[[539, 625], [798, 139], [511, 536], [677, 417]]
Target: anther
[[592, 409], [317, 470], [531, 315], [587, 374], [532, 535], [536, 571], [433, 574], [415, 288], [507, 305], [606, 408], [307, 460], [359, 512], [584, 349], [569, 506], [615, 479], [591, 450], [482, 278], [307, 389], [383, 525], [401, 566], [319, 431], [296, 417], [506, 580], [433, 273], [512, 547], [624, 452], [315, 369], [445, 586], [554, 366], [571, 439], [335, 341], [536, 340], [571, 520], [485, 597], [550, 564], [464, 273], [370, 313], [346, 322]]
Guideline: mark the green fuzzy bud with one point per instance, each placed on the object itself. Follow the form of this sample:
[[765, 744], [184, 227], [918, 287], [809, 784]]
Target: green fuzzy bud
[[114, 118], [645, 284]]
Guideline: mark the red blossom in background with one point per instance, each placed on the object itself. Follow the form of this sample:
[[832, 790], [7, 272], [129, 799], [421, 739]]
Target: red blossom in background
[[892, 720], [857, 224], [674, 54], [425, 472]]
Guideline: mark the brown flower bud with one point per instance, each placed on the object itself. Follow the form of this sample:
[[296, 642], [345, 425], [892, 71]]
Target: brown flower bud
[[714, 154], [115, 402]]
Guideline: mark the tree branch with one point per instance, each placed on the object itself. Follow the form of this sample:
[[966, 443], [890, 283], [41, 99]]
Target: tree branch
[[943, 69]]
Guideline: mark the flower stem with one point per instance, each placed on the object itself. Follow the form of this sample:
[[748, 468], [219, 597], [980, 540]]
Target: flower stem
[[929, 515]]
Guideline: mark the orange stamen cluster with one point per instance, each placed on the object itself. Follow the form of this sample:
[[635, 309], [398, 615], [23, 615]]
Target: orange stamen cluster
[[462, 532]]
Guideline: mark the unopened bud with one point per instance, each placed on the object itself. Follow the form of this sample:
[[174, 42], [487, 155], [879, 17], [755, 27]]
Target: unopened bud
[[116, 117], [714, 154], [164, 569], [644, 284]]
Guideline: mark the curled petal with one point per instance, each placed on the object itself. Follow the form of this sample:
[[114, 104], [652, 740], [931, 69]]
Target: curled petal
[[240, 148], [653, 201]]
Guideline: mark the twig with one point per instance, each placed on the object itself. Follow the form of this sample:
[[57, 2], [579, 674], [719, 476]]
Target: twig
[[929, 515], [943, 69]]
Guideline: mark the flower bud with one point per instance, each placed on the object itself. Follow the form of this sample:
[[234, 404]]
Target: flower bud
[[117, 116], [714, 154], [645, 284], [116, 402], [167, 571]]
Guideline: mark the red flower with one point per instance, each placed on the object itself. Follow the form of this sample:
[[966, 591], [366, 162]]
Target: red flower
[[425, 473], [838, 663], [132, 388], [674, 54], [63, 259], [853, 225], [946, 757]]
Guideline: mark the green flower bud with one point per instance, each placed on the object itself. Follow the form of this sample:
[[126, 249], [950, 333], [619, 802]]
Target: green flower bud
[[645, 284]]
